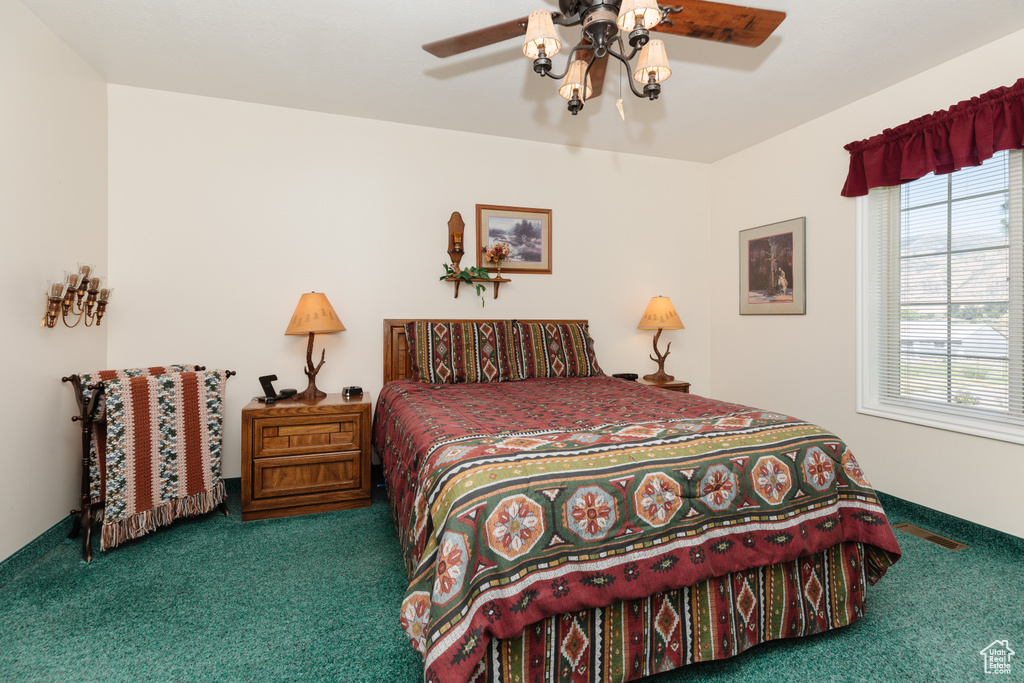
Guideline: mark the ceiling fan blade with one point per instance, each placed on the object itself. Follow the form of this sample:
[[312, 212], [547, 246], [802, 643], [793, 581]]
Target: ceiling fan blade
[[747, 26], [597, 76], [476, 39], [597, 72]]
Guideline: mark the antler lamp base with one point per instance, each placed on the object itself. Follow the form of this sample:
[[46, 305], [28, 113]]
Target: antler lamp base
[[311, 392], [660, 375]]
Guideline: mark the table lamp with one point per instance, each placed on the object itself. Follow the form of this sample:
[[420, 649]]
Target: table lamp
[[660, 315], [313, 314]]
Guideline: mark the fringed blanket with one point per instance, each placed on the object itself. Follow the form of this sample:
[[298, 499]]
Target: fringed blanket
[[99, 437], [162, 454]]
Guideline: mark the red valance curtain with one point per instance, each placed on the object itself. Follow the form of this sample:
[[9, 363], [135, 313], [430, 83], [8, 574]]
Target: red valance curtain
[[964, 135]]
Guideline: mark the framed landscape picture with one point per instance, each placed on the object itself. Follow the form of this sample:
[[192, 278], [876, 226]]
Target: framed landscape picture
[[772, 275], [527, 232]]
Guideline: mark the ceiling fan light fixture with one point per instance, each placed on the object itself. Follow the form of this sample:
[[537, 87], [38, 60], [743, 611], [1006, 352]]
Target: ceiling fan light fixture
[[638, 14], [653, 62], [541, 39], [616, 32], [572, 84]]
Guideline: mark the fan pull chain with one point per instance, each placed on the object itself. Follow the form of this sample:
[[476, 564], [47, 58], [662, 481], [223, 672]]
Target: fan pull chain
[[618, 102]]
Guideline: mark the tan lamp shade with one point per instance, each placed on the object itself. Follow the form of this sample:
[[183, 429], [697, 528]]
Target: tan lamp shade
[[314, 314], [540, 32], [660, 315], [572, 84], [638, 14], [653, 60]]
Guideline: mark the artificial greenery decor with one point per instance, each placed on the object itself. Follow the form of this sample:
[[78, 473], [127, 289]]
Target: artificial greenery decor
[[471, 275]]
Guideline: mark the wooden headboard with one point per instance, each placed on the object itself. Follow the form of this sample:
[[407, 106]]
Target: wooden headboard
[[398, 365]]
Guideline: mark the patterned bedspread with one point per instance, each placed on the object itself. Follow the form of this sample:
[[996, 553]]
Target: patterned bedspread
[[515, 501]]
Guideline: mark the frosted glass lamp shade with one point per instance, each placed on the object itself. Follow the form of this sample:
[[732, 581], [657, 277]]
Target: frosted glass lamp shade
[[572, 84], [314, 314], [653, 60], [660, 315], [540, 32], [638, 14]]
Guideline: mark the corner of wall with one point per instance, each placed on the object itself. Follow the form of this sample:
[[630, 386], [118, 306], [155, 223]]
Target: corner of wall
[[55, 168]]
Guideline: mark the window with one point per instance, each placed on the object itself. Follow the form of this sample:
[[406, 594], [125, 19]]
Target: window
[[942, 300]]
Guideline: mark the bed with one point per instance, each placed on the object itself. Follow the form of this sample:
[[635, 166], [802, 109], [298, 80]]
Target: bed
[[558, 524]]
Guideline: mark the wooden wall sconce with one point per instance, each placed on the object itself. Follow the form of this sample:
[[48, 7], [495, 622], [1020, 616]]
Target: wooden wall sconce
[[456, 235], [456, 250]]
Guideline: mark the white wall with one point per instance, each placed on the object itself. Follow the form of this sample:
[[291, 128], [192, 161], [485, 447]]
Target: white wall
[[222, 213], [806, 365], [53, 178]]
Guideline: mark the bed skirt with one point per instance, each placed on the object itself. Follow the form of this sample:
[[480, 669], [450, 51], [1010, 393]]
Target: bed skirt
[[715, 619]]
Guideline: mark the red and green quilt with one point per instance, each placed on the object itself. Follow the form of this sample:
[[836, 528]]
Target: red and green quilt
[[517, 501]]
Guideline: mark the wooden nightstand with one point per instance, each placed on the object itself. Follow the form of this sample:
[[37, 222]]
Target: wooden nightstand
[[305, 456], [674, 385]]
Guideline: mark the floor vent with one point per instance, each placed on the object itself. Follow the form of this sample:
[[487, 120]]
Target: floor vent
[[947, 543]]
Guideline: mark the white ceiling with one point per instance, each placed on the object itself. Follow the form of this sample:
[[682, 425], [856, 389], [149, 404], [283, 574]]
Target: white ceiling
[[364, 59]]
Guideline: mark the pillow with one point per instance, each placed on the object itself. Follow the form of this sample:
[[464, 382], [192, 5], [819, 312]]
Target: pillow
[[554, 350], [451, 353]]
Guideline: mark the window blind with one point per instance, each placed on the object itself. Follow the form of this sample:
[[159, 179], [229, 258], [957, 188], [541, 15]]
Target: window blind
[[945, 293]]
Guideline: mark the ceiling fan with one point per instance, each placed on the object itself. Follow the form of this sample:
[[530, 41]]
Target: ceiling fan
[[603, 22]]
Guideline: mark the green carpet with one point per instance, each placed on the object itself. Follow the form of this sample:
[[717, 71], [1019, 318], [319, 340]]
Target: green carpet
[[316, 598]]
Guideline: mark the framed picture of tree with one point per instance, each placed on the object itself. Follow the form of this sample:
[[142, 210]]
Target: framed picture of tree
[[772, 269], [527, 232]]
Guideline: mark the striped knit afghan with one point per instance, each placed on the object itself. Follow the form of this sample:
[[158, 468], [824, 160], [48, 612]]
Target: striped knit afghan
[[162, 459], [99, 437]]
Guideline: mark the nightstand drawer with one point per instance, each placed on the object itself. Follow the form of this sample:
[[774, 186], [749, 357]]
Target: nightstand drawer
[[300, 475], [314, 434]]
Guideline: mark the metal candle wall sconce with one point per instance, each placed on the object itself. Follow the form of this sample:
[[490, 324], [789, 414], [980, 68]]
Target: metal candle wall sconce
[[80, 296]]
